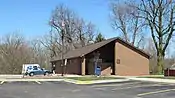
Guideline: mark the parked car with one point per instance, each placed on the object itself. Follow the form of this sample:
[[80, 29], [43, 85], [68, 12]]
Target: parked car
[[34, 69]]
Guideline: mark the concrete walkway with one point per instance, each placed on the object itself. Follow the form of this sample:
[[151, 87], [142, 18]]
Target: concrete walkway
[[56, 78], [10, 76], [154, 80], [31, 80], [65, 80]]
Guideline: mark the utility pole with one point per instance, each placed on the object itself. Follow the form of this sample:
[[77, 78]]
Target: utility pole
[[62, 53]]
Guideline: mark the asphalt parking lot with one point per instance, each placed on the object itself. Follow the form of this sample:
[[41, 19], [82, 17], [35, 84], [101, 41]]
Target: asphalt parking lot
[[130, 89]]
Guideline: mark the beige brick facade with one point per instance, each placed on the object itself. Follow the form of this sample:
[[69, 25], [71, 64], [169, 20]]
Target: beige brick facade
[[130, 62]]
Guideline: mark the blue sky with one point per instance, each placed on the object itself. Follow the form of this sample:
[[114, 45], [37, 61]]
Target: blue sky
[[30, 17]]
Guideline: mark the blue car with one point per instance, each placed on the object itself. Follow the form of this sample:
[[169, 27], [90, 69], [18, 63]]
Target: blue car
[[35, 70]]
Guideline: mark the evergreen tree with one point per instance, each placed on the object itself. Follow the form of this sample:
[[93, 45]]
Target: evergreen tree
[[99, 38]]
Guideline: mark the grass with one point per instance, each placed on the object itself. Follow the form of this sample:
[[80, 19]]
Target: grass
[[152, 76], [170, 77], [85, 78]]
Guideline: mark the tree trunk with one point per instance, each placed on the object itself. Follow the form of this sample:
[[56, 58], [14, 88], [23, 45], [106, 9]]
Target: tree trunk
[[160, 64]]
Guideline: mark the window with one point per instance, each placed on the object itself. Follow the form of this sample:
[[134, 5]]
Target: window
[[35, 68]]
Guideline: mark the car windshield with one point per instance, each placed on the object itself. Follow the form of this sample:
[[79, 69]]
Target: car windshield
[[39, 68], [35, 68]]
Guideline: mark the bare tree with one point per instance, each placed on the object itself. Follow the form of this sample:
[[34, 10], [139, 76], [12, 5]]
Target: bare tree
[[123, 19], [52, 43], [85, 33], [16, 51], [150, 49], [70, 28], [13, 53], [159, 16], [40, 55], [62, 21]]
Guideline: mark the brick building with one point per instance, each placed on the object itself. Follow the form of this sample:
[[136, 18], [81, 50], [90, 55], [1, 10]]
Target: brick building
[[116, 57]]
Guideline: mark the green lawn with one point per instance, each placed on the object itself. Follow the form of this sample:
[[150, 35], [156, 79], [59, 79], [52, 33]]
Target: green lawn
[[152, 76], [85, 78], [170, 77]]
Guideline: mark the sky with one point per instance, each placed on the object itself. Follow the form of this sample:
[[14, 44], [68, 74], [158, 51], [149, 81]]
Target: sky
[[30, 17]]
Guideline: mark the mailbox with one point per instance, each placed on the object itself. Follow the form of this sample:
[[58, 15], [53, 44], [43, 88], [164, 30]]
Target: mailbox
[[97, 70]]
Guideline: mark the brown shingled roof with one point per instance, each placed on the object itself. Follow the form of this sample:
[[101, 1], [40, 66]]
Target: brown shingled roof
[[90, 48]]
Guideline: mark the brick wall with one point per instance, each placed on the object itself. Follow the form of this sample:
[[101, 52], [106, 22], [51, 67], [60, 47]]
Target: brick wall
[[128, 62]]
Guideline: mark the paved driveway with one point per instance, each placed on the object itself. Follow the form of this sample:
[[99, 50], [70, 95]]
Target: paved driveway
[[131, 89]]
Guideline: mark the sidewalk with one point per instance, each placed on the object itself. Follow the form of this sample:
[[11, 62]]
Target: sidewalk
[[154, 80], [24, 79], [65, 80], [57, 77], [10, 76]]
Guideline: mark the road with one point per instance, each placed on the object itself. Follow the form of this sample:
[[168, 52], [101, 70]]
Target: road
[[130, 89]]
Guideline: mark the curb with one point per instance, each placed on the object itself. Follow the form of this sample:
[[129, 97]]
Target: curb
[[70, 81], [95, 82], [77, 81], [84, 82]]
